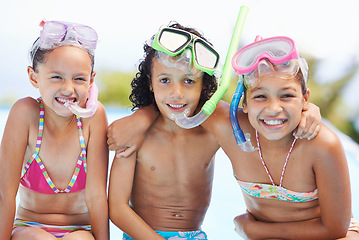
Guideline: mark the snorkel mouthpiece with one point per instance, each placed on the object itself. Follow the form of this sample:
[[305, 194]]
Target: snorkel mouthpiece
[[91, 104], [182, 119]]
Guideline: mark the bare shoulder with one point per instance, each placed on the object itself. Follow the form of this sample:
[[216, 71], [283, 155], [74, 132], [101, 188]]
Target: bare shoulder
[[25, 109], [326, 145], [327, 138]]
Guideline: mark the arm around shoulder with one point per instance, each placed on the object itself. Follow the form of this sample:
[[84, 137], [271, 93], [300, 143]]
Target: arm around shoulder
[[125, 135]]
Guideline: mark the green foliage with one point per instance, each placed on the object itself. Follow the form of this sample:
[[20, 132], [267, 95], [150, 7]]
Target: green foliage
[[328, 97], [114, 88]]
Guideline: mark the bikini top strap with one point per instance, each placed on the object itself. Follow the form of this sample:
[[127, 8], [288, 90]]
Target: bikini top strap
[[82, 142], [41, 126], [265, 166], [39, 137]]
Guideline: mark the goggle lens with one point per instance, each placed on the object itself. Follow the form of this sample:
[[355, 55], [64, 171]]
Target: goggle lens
[[205, 56], [53, 30], [173, 41], [86, 33]]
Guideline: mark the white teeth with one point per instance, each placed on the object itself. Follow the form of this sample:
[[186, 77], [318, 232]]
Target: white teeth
[[176, 105], [273, 122], [64, 100]]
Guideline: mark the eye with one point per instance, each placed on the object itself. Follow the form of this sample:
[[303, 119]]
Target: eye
[[164, 80], [189, 81], [287, 96], [259, 96], [56, 77], [80, 80]]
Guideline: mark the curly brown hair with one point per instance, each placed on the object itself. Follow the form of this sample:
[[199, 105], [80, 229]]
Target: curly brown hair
[[141, 95]]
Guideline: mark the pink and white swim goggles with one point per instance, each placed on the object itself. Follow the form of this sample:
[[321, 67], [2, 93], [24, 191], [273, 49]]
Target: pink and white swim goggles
[[276, 49], [269, 55], [57, 33]]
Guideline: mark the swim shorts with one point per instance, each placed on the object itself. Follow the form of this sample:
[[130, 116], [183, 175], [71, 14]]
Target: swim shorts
[[191, 235]]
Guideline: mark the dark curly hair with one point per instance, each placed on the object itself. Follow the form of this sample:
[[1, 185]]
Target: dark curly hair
[[141, 94]]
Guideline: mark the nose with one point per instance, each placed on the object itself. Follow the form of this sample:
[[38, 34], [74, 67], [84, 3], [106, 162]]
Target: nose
[[177, 91], [67, 88], [274, 107]]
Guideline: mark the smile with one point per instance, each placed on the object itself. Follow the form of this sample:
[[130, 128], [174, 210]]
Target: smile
[[65, 100], [274, 122], [176, 105]]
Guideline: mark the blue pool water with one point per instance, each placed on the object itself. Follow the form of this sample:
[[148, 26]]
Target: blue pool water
[[227, 201]]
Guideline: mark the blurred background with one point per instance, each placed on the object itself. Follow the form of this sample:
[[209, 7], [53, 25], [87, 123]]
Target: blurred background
[[325, 33]]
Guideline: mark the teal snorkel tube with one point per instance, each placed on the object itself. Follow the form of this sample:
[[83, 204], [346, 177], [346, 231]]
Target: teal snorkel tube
[[208, 108]]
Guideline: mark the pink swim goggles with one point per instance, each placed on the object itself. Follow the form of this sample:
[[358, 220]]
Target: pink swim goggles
[[277, 50], [56, 33], [276, 55]]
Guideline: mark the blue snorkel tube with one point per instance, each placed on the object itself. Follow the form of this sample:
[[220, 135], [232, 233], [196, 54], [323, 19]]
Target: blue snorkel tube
[[244, 142], [208, 108]]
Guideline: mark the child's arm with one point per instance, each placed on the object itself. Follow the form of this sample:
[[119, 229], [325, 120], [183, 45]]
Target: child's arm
[[96, 180], [247, 227], [332, 179], [126, 135], [120, 188], [12, 151]]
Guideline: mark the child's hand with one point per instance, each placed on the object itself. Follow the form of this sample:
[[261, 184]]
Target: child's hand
[[125, 136], [309, 125]]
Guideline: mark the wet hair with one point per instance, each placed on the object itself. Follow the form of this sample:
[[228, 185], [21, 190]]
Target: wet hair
[[38, 56], [141, 94]]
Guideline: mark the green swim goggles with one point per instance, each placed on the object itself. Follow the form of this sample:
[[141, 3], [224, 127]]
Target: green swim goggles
[[173, 41]]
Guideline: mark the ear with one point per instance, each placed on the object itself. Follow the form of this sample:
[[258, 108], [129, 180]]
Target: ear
[[32, 77], [245, 110], [92, 79], [306, 97], [150, 86]]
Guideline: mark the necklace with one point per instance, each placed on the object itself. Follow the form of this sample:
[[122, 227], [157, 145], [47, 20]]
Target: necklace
[[265, 166]]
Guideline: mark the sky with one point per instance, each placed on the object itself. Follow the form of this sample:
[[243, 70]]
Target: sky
[[322, 29]]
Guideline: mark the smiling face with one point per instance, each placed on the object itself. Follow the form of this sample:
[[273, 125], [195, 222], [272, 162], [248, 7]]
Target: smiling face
[[274, 106], [175, 90], [66, 75]]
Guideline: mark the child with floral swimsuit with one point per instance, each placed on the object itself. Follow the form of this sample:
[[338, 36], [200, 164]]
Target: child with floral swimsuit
[[172, 171], [59, 159], [293, 189]]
